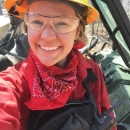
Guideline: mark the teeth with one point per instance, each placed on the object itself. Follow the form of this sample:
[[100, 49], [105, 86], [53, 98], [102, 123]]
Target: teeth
[[49, 48]]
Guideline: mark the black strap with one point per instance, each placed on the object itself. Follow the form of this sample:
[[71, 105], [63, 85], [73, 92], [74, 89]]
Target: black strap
[[91, 77]]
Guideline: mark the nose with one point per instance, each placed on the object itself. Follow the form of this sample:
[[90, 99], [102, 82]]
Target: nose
[[48, 34]]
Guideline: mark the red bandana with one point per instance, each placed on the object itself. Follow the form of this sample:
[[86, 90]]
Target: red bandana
[[50, 87]]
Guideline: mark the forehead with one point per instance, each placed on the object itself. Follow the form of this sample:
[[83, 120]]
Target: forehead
[[51, 8]]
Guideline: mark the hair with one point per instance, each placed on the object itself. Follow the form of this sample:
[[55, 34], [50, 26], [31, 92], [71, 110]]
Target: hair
[[81, 28]]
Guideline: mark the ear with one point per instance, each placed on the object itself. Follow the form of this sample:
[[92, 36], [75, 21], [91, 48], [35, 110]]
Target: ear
[[77, 33]]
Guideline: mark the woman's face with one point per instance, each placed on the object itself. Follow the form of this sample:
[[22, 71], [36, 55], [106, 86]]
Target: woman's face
[[50, 47]]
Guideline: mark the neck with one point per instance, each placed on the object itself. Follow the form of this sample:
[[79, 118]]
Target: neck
[[63, 63]]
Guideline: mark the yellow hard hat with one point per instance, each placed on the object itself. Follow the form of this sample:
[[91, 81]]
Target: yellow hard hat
[[92, 13], [19, 7]]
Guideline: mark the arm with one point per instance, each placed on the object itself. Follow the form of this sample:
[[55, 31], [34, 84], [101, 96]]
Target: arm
[[9, 103]]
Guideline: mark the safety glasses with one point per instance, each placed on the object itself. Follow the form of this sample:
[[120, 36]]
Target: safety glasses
[[60, 24]]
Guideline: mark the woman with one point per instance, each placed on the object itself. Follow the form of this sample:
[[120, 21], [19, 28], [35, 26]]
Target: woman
[[54, 71]]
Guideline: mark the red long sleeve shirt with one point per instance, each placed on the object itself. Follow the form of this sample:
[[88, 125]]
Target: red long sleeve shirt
[[14, 91]]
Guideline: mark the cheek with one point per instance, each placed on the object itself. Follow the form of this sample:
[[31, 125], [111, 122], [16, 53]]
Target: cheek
[[68, 38], [32, 37]]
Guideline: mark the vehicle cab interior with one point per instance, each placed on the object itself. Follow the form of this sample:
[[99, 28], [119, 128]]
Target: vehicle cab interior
[[114, 62]]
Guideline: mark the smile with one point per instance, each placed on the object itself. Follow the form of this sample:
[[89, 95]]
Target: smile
[[49, 48]]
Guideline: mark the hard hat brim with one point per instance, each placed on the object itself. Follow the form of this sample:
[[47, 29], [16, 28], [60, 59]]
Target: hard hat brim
[[92, 13]]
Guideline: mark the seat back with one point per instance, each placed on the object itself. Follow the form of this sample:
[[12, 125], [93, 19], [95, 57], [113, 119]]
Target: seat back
[[20, 49], [4, 62], [123, 126]]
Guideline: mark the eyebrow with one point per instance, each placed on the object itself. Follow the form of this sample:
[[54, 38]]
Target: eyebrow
[[48, 16]]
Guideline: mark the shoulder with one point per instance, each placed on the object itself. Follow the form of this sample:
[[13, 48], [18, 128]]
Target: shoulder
[[92, 63], [94, 66], [13, 77], [100, 84], [16, 70], [85, 63]]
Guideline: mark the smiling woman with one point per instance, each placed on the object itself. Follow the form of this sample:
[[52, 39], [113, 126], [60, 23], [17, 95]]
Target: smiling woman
[[55, 28], [55, 72]]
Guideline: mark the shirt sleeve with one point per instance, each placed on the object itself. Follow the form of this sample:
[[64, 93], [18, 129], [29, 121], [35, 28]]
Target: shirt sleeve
[[9, 103]]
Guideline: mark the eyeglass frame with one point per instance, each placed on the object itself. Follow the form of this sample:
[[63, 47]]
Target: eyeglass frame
[[77, 22]]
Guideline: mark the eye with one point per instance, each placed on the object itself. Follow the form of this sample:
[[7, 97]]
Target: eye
[[61, 24], [37, 23]]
